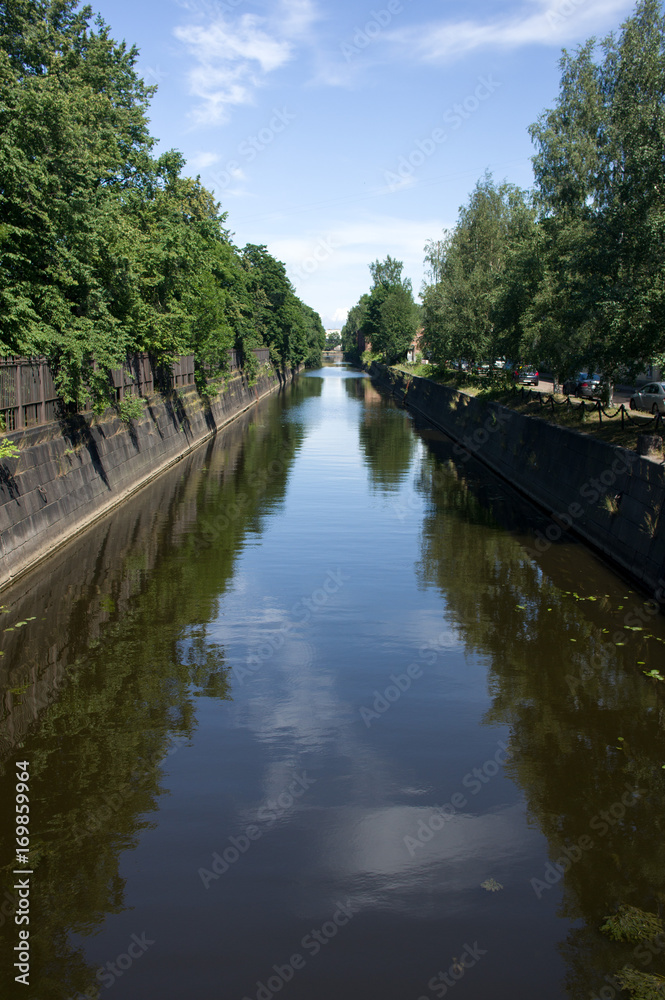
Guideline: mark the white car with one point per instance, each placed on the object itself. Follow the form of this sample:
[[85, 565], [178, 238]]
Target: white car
[[650, 397]]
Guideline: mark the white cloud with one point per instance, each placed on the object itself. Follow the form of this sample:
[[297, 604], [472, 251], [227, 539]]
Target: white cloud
[[339, 315], [554, 22], [202, 161], [233, 57]]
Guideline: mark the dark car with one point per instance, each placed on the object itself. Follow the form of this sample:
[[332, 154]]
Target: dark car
[[526, 375], [584, 385]]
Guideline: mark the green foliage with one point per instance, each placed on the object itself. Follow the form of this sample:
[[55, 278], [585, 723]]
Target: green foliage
[[351, 330], [467, 299], [641, 985], [333, 341], [106, 250], [630, 923], [387, 318], [131, 408], [580, 284], [8, 450]]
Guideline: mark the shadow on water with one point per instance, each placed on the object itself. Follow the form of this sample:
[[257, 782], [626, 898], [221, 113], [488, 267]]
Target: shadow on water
[[103, 674], [567, 646]]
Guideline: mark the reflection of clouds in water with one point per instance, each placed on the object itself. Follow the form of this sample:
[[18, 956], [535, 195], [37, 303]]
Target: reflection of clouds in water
[[368, 848], [421, 627]]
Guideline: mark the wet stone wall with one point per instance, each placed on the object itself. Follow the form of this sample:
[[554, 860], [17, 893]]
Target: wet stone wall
[[69, 473], [611, 497]]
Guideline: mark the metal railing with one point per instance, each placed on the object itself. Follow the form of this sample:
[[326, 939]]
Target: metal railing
[[28, 396]]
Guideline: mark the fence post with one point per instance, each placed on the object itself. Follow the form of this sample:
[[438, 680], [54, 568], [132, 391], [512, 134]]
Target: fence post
[[20, 423], [42, 394]]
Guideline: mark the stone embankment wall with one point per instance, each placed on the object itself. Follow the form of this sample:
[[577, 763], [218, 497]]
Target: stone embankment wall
[[609, 496], [70, 473]]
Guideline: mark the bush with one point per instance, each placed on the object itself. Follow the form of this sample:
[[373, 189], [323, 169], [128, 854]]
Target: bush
[[131, 408]]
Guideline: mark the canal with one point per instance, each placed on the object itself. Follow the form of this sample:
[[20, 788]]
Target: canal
[[311, 716]]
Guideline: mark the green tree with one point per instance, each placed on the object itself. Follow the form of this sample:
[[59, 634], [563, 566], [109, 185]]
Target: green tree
[[463, 316], [106, 250], [391, 320], [598, 171], [352, 329]]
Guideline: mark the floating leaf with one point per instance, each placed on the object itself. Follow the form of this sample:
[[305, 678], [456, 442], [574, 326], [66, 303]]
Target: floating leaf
[[491, 885]]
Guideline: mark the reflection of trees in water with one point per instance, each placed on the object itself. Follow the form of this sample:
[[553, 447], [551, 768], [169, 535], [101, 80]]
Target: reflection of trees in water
[[586, 725], [386, 437], [363, 389], [135, 646]]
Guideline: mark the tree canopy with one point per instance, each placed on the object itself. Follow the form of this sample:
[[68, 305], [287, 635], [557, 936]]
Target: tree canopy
[[570, 274], [387, 317], [105, 249]]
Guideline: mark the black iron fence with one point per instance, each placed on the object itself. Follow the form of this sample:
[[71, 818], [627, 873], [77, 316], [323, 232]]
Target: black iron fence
[[28, 395]]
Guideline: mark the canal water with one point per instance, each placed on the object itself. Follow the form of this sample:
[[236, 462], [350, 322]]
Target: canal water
[[318, 714]]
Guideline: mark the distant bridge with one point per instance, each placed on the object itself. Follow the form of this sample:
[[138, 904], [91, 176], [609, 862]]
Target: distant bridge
[[333, 356]]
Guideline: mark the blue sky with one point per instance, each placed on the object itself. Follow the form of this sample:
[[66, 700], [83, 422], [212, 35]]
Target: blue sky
[[338, 133]]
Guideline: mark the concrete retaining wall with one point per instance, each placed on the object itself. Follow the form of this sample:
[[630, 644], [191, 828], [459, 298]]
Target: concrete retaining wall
[[609, 496], [70, 473]]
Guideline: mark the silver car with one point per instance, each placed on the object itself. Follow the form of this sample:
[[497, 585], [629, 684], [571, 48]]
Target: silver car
[[650, 397]]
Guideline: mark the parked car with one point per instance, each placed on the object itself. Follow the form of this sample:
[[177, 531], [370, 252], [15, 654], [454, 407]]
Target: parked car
[[526, 374], [584, 385], [650, 397]]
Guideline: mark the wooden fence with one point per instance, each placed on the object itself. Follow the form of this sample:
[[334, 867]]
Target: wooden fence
[[28, 395]]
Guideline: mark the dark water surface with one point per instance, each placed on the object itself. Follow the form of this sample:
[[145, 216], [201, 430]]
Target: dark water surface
[[311, 717]]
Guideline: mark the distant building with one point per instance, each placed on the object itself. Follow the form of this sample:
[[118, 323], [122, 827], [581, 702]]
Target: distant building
[[415, 347]]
